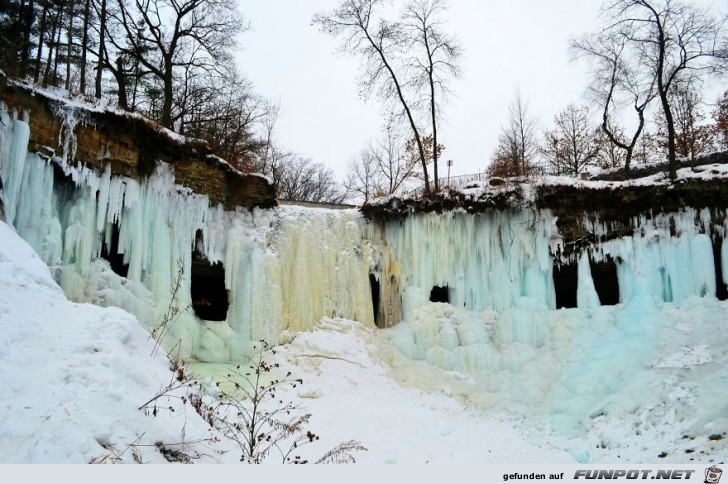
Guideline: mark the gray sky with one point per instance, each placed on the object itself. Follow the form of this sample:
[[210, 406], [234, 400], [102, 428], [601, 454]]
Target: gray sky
[[507, 43]]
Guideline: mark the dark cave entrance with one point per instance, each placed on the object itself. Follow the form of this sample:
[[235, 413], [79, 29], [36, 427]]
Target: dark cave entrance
[[606, 282], [110, 252], [565, 284], [374, 285], [604, 275], [440, 294], [721, 286], [207, 286]]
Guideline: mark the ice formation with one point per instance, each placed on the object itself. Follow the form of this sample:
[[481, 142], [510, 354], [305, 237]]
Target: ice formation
[[286, 268], [569, 366]]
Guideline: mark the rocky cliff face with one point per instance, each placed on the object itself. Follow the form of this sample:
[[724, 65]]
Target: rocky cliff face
[[131, 145], [576, 205]]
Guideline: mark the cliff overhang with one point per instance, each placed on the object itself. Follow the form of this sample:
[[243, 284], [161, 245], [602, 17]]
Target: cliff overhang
[[131, 145], [575, 202]]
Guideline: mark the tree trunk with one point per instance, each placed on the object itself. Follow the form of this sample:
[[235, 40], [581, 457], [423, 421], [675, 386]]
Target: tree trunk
[[69, 45], [670, 122], [41, 39], [84, 45], [102, 50], [434, 132], [663, 89], [433, 113], [28, 13], [405, 106], [168, 95], [52, 45], [121, 83]]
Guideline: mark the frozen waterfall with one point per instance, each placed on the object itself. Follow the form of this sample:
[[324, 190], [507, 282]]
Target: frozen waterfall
[[486, 296]]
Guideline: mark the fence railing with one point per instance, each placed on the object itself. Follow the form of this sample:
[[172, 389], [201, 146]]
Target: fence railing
[[452, 181]]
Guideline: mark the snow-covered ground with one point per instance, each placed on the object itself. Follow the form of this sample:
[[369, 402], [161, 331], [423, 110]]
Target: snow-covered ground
[[74, 377]]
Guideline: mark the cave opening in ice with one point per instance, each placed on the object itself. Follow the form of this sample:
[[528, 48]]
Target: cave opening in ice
[[721, 286], [440, 294], [110, 252], [566, 281], [606, 282], [374, 286], [209, 295]]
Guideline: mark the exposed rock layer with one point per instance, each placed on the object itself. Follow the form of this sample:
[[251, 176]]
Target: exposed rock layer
[[132, 145]]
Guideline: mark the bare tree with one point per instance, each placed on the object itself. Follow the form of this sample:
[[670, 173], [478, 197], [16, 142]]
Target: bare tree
[[85, 43], [572, 144], [385, 165], [518, 145], [610, 155], [721, 120], [377, 43], [304, 180], [617, 81], [435, 56], [363, 178], [398, 164], [673, 41], [402, 59], [14, 29], [225, 113], [165, 35], [693, 136], [269, 153]]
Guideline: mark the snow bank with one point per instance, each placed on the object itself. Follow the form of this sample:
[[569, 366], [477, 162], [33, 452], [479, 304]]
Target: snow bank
[[74, 376]]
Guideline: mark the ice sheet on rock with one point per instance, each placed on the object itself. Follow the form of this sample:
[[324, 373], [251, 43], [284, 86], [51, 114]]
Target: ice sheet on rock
[[284, 268]]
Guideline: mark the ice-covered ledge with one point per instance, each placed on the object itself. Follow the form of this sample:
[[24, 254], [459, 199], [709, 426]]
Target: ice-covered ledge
[[205, 281], [580, 205], [130, 145]]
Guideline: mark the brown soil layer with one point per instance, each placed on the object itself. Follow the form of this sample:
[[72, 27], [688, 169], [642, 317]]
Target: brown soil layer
[[132, 145]]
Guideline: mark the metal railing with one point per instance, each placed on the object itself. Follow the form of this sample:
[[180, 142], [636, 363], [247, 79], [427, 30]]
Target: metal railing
[[452, 182]]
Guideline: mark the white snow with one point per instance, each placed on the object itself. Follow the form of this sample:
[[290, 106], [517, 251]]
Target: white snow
[[74, 375]]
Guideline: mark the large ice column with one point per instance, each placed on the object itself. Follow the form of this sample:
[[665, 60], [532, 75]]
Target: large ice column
[[14, 136], [586, 294], [302, 265], [285, 268], [494, 260], [321, 266]]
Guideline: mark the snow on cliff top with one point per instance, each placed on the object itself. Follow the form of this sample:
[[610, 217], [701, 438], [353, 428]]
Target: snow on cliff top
[[527, 186], [76, 106]]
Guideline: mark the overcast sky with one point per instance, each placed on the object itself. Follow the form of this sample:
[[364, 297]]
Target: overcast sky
[[506, 44]]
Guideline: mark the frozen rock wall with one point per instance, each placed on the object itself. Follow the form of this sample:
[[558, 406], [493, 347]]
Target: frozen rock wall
[[285, 268]]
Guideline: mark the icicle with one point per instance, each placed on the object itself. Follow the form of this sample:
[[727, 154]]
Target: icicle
[[14, 152]]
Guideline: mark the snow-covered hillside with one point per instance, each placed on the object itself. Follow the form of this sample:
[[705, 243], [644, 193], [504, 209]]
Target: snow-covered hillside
[[74, 376]]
